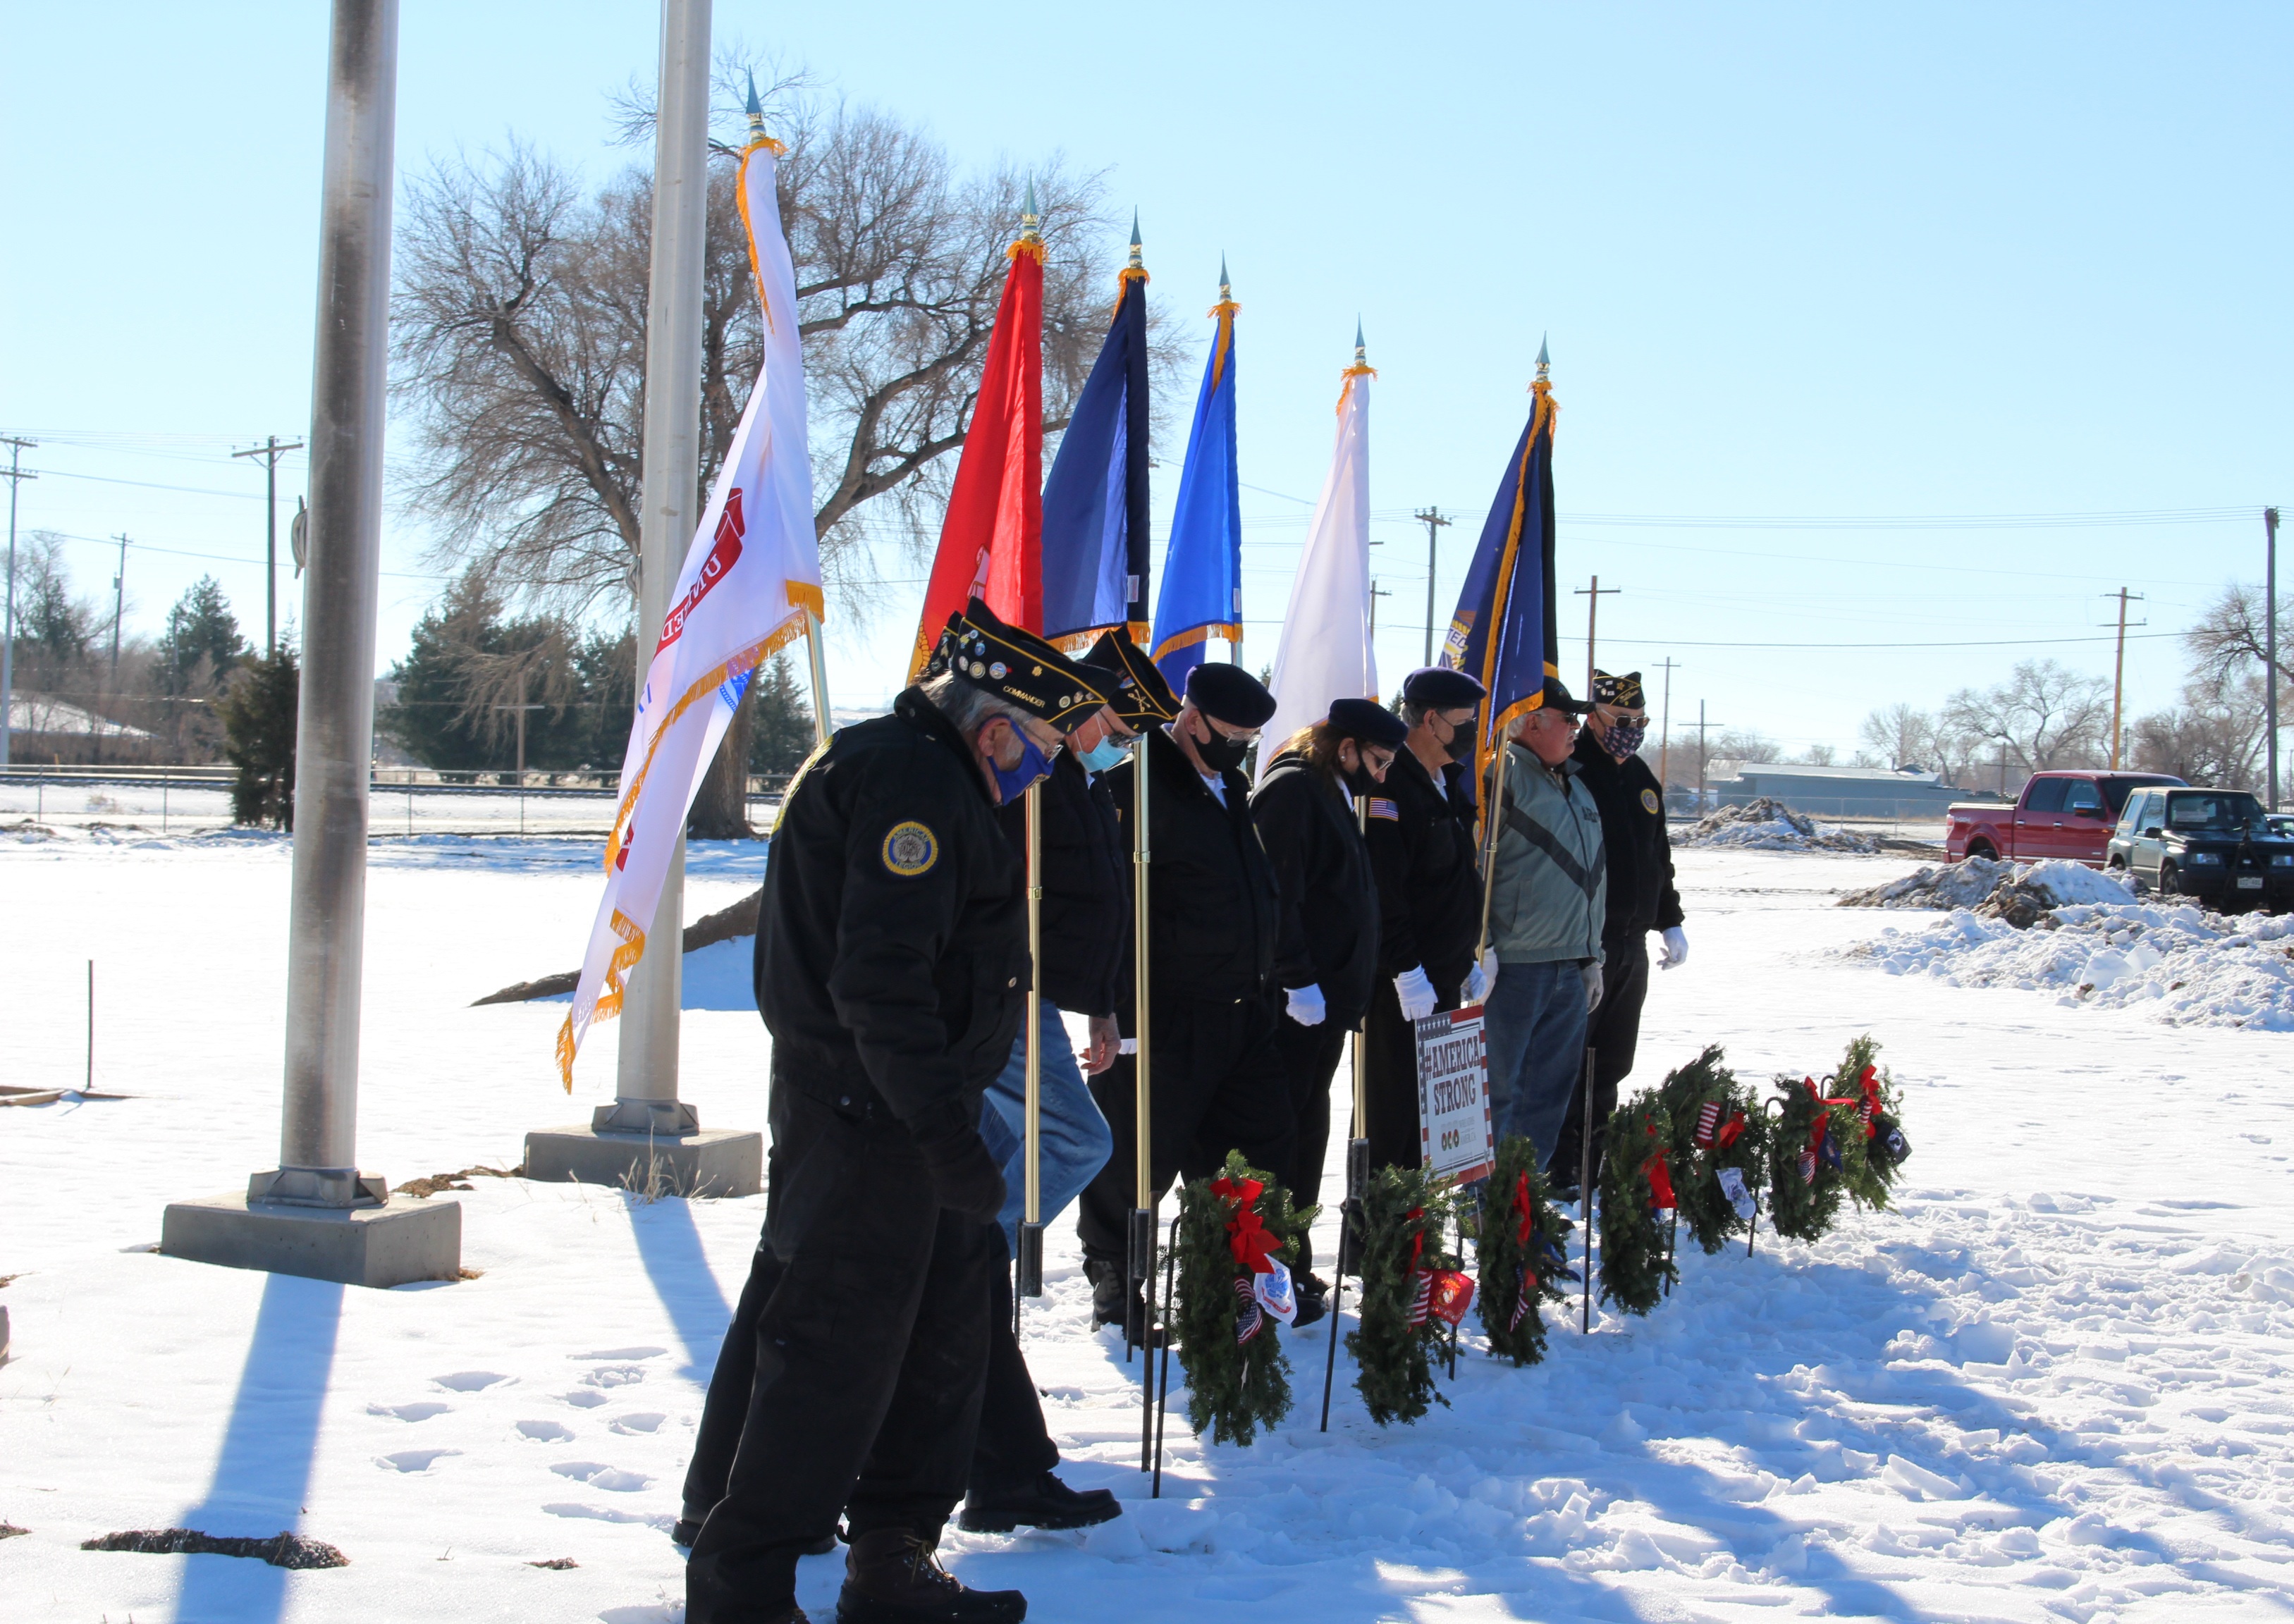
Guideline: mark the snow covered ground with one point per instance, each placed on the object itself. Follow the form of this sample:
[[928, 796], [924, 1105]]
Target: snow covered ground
[[2054, 1386]]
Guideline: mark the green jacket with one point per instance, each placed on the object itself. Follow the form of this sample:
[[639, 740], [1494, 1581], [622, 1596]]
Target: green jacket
[[1552, 884]]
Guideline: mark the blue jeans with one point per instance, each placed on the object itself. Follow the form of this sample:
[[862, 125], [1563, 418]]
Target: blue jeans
[[1076, 1142], [1536, 1036]]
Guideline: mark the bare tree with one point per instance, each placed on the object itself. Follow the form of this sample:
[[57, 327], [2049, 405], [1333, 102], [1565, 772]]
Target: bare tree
[[2229, 639], [2046, 714], [1896, 734]]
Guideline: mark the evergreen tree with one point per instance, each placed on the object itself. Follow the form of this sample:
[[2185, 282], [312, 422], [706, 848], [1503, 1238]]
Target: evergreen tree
[[781, 733], [258, 721], [200, 627], [48, 617], [605, 678]]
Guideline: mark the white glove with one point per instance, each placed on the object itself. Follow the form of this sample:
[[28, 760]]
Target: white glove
[[1477, 984], [1304, 1005], [1127, 1045], [1676, 948], [1416, 992], [1592, 974]]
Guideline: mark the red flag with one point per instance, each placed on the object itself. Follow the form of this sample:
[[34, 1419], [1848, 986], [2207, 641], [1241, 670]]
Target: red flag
[[991, 541]]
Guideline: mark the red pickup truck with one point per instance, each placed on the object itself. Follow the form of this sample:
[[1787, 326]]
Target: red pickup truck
[[2059, 815]]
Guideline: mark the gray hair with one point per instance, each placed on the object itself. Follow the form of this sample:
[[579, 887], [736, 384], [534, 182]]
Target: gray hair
[[1416, 710], [968, 707]]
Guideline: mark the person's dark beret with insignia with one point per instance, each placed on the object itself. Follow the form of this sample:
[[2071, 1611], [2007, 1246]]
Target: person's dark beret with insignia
[[1623, 692], [1368, 722], [1229, 694], [1441, 688], [1018, 667], [1141, 695]]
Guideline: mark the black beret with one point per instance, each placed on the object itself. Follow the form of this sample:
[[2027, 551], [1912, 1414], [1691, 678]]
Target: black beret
[[1369, 722], [1141, 694], [1018, 667], [1229, 694], [1442, 687]]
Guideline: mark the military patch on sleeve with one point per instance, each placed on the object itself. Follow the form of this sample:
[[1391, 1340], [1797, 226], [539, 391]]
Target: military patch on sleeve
[[1379, 807], [1648, 800], [910, 849]]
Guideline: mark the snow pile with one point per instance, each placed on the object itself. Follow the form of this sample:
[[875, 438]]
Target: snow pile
[[1765, 824], [2182, 965], [2017, 892]]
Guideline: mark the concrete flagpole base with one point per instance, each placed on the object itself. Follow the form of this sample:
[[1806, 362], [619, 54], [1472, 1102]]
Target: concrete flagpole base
[[391, 1243], [699, 1161]]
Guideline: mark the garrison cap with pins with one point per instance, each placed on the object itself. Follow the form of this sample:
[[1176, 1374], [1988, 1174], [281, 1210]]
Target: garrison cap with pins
[[1018, 667], [1623, 692], [1141, 694]]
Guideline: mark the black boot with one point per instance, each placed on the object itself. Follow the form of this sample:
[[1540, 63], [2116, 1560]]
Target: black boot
[[1107, 1290], [1042, 1502], [893, 1577], [1313, 1294]]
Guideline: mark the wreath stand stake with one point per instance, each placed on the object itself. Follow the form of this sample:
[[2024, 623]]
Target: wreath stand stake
[[1163, 1385], [1358, 1175]]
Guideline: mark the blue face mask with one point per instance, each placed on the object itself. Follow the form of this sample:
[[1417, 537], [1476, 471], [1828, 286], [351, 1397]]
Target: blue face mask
[[1012, 781], [1107, 753]]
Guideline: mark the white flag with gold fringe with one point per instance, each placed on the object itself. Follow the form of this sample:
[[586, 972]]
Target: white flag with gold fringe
[[751, 575]]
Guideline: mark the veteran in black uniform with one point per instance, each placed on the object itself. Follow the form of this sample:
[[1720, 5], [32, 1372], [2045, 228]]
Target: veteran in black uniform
[[1430, 893], [891, 967], [1304, 809], [1214, 916], [1642, 898]]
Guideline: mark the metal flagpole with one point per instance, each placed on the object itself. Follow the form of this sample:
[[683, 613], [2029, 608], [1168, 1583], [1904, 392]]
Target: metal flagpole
[[818, 661], [645, 1087], [1031, 1225], [1357, 1172], [1585, 1185], [361, 1236], [2269, 647], [1143, 1216]]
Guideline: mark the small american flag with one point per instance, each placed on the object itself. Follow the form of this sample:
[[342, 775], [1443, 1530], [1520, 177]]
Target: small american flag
[[1521, 1300], [1708, 1122], [1380, 807], [1248, 1318], [1421, 1299]]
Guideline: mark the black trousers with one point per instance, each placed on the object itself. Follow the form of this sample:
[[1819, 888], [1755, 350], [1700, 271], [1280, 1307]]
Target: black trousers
[[1614, 1034], [1392, 1083], [1217, 1086], [865, 1322], [1308, 1057], [1015, 1447]]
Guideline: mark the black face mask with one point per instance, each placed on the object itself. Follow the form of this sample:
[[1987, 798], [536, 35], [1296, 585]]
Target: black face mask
[[1359, 780], [1462, 740], [1221, 753]]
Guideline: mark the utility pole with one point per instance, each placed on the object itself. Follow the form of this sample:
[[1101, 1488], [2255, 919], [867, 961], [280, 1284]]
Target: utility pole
[[1430, 517], [1701, 755], [316, 1213], [16, 477], [521, 707], [118, 605], [271, 451], [2118, 668], [1664, 733], [2269, 643], [1593, 595], [1376, 592]]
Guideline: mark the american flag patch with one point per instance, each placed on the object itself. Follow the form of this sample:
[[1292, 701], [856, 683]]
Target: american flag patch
[[1379, 807]]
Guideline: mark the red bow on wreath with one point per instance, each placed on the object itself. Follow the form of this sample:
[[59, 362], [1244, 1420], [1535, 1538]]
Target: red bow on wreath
[[1660, 1176], [1867, 1108], [1248, 1236], [1524, 1215]]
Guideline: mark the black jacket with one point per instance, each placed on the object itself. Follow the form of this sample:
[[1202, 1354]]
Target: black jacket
[[1429, 875], [891, 938], [1308, 831], [1631, 803], [1215, 908], [1086, 879]]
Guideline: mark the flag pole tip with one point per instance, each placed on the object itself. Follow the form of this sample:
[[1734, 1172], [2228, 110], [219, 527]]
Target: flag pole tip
[[1543, 359], [756, 112], [1358, 338], [1137, 262], [1028, 220]]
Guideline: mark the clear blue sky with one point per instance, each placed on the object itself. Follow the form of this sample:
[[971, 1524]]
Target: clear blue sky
[[1795, 261]]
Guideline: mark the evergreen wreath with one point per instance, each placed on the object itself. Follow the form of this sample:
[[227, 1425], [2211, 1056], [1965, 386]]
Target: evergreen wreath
[[1238, 1377], [1522, 1252], [1636, 1182], [1875, 1147], [1716, 1125], [1808, 1152], [1404, 1216]]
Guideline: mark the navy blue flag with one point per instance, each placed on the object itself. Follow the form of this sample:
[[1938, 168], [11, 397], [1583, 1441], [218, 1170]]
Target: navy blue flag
[[1503, 633], [1095, 501]]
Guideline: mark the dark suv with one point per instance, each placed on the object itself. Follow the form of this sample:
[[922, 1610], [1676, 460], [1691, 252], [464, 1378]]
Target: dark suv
[[2217, 845]]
